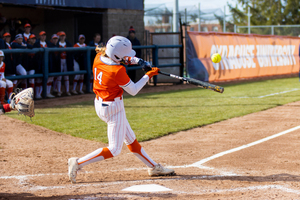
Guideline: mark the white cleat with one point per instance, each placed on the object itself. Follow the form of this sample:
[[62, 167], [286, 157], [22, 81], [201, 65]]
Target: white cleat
[[73, 168], [159, 170], [80, 92], [38, 96], [74, 92], [59, 94], [50, 95], [68, 93]]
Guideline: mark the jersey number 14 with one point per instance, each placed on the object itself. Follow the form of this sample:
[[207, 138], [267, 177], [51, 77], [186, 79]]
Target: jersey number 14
[[99, 76]]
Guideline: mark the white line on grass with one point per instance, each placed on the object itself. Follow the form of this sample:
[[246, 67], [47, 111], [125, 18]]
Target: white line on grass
[[267, 95]]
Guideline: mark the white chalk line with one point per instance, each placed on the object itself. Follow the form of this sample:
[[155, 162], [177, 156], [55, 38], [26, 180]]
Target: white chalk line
[[243, 147], [198, 164], [207, 191], [277, 93]]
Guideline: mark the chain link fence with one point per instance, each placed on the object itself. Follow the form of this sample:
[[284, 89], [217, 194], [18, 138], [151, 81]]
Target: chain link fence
[[287, 30]]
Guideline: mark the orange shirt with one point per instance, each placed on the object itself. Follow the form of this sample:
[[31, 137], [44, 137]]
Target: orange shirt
[[79, 45], [108, 78]]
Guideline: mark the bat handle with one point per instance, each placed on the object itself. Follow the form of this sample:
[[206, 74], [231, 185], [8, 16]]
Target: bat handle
[[164, 73]]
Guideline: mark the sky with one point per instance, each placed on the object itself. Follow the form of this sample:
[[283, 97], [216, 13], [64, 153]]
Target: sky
[[204, 4]]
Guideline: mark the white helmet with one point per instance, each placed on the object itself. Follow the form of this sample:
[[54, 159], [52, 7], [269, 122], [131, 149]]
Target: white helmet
[[118, 47], [1, 53]]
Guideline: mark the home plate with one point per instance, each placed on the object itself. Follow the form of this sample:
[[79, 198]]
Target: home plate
[[147, 188]]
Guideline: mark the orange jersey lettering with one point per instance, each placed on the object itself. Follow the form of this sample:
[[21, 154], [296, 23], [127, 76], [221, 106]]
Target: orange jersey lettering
[[108, 79]]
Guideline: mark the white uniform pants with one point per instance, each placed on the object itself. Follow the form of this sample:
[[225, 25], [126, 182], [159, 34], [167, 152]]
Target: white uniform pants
[[118, 131]]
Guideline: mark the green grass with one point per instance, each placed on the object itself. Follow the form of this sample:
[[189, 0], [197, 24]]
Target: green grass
[[158, 114]]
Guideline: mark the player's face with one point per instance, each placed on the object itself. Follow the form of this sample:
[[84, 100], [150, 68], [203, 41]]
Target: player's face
[[19, 40], [43, 37], [1, 58], [81, 40], [97, 39], [62, 38], [54, 41], [27, 30], [7, 39], [32, 41]]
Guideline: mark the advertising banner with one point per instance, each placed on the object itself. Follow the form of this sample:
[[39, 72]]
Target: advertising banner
[[243, 56]]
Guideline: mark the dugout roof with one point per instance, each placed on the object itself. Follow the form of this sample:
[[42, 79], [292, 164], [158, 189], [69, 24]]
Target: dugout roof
[[106, 4]]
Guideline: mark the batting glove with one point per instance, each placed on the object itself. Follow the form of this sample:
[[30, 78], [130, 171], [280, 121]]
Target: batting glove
[[146, 66], [154, 71]]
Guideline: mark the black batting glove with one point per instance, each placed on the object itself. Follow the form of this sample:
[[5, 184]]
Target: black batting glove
[[146, 66]]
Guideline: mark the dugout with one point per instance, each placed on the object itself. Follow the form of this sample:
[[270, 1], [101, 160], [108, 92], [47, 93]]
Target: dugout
[[113, 17]]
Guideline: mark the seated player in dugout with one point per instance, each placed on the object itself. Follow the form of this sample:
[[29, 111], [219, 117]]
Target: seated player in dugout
[[110, 78], [18, 60]]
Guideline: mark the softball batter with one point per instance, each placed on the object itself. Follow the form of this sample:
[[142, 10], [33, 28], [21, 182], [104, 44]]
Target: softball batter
[[110, 78]]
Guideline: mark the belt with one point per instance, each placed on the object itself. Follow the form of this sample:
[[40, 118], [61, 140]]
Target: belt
[[117, 98]]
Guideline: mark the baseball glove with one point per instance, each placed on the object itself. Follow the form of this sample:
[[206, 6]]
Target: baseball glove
[[23, 102]]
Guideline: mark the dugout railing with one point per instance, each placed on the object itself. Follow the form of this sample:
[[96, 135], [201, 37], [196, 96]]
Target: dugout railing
[[88, 71]]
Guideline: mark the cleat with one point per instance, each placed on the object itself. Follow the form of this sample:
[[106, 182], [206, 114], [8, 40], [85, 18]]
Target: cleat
[[68, 93], [73, 168], [59, 94], [38, 96], [50, 96], [159, 170], [73, 92], [80, 92]]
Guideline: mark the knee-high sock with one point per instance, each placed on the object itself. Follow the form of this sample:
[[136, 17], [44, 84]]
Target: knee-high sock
[[139, 152], [2, 95], [74, 84], [80, 85], [9, 91], [58, 85], [98, 155]]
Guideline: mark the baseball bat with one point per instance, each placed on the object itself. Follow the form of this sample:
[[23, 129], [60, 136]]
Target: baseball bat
[[202, 84]]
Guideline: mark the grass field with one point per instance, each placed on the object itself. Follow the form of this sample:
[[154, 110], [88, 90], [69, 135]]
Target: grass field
[[158, 114]]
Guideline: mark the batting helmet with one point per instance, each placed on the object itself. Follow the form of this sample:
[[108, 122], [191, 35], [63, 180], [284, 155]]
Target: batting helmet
[[118, 47]]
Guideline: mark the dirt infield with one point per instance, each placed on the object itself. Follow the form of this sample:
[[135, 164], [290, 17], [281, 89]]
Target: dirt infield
[[211, 162]]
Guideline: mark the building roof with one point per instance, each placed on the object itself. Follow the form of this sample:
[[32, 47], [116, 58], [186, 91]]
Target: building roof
[[115, 4]]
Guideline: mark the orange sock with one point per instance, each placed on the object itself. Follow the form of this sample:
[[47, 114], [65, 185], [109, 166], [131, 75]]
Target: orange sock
[[9, 91], [137, 149], [105, 153]]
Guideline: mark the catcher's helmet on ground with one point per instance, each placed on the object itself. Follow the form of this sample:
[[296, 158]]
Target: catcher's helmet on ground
[[118, 47]]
